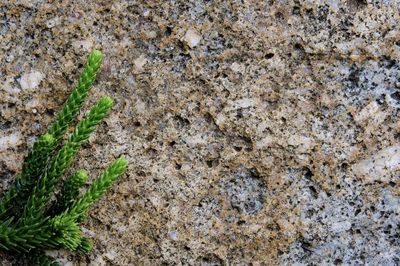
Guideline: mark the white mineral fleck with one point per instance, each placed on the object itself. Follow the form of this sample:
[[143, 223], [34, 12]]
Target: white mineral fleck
[[173, 235], [85, 44], [111, 255], [264, 142], [236, 67], [367, 111], [140, 106], [31, 80], [244, 103], [192, 38], [88, 232], [380, 166], [53, 22], [10, 140], [196, 140], [98, 261], [32, 104], [139, 63], [8, 87], [338, 227]]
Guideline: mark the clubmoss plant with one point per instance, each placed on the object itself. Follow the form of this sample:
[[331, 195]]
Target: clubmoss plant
[[31, 221]]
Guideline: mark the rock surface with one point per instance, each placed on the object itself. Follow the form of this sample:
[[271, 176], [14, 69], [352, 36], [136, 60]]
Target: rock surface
[[257, 132]]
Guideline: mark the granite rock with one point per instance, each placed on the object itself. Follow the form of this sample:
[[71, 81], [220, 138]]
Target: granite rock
[[257, 132]]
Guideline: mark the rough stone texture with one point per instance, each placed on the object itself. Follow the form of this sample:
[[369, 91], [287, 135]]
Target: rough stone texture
[[258, 132]]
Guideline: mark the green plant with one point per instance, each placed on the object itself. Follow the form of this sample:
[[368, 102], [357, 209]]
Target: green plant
[[31, 221]]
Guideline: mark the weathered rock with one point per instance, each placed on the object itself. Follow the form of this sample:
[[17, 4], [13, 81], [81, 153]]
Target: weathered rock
[[262, 132]]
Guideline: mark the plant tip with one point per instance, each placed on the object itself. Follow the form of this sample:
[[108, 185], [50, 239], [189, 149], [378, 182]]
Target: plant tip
[[49, 138], [122, 161], [82, 175], [106, 101], [96, 54]]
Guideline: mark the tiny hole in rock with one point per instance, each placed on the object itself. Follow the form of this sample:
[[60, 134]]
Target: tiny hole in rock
[[269, 55], [168, 31]]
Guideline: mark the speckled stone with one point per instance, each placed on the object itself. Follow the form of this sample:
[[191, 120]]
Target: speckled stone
[[257, 132]]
